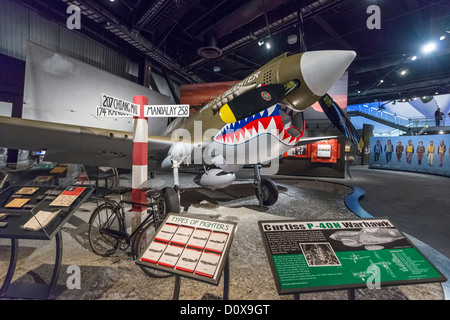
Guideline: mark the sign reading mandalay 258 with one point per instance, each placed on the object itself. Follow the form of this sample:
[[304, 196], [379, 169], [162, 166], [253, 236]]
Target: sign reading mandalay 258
[[308, 256], [112, 107], [163, 111]]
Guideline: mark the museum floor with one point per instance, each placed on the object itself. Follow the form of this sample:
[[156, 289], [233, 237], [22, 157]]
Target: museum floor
[[415, 204]]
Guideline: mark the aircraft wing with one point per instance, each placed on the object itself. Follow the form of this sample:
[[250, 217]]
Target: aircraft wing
[[77, 144]]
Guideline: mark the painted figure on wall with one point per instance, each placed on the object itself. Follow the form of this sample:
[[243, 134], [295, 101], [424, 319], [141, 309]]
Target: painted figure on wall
[[388, 149], [430, 153], [441, 152], [420, 152], [377, 149], [399, 151], [409, 151]]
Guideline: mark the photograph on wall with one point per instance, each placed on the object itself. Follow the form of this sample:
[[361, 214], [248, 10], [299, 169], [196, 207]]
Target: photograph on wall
[[326, 151], [424, 153], [299, 151]]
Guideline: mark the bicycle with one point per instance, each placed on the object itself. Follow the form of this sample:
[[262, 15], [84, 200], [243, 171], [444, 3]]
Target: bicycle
[[108, 228]]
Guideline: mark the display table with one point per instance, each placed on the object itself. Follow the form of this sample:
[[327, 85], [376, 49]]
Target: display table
[[312, 256], [34, 208], [192, 247]]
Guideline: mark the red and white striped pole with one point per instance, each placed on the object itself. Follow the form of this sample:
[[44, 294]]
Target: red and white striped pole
[[140, 163]]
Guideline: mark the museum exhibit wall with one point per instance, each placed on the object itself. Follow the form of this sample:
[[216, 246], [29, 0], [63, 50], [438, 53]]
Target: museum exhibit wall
[[319, 158], [416, 161]]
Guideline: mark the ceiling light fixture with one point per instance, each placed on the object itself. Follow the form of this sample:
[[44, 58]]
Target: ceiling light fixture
[[292, 39], [414, 58], [442, 38], [430, 47]]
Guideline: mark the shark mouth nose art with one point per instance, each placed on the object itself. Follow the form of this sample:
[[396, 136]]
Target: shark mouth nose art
[[275, 121]]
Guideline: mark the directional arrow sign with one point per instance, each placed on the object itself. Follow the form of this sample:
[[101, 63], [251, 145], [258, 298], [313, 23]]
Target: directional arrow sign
[[116, 107], [102, 112], [167, 111]]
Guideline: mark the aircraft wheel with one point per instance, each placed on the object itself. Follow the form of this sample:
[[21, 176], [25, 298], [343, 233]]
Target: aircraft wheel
[[269, 192], [172, 200]]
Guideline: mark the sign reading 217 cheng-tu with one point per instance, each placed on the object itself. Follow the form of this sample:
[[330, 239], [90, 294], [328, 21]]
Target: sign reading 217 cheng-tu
[[309, 256]]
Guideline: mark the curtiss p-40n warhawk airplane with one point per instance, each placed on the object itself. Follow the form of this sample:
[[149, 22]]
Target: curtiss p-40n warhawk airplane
[[254, 122]]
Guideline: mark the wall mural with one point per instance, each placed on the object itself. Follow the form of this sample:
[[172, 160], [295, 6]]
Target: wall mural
[[425, 153]]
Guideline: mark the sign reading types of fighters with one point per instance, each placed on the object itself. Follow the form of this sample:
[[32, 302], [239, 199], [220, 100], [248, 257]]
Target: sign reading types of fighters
[[219, 146]]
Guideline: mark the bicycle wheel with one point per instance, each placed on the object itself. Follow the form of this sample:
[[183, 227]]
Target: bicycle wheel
[[104, 217], [141, 241]]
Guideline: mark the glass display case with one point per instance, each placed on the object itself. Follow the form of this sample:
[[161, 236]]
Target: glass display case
[[35, 203]]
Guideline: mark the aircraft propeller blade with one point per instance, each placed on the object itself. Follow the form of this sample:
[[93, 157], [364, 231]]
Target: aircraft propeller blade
[[256, 100], [339, 119]]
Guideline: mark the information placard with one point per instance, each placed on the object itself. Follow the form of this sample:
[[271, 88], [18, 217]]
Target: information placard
[[190, 246], [310, 256]]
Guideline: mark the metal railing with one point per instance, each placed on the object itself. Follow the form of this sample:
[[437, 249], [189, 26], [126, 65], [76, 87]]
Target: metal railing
[[396, 119]]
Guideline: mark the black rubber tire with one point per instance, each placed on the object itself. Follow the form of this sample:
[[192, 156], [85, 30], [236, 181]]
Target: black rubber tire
[[172, 200], [105, 216], [269, 191]]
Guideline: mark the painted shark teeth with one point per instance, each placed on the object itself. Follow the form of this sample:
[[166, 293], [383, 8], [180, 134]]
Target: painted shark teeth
[[289, 111], [267, 121]]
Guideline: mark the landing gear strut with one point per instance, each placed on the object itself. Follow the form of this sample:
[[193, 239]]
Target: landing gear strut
[[266, 190], [172, 195]]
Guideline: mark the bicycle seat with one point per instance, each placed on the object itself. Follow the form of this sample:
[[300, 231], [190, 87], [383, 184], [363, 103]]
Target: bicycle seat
[[120, 190]]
